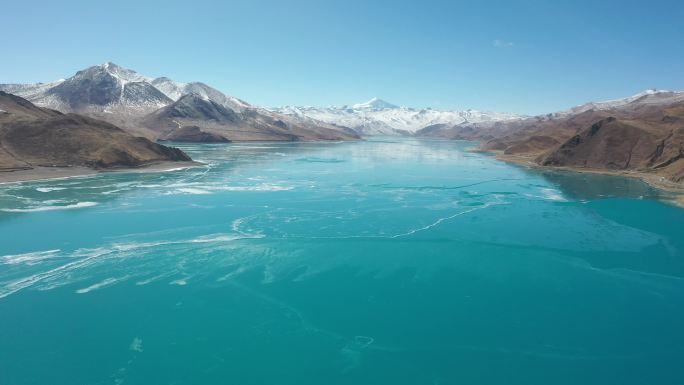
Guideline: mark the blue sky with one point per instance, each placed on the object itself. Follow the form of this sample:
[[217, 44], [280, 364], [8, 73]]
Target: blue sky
[[526, 56]]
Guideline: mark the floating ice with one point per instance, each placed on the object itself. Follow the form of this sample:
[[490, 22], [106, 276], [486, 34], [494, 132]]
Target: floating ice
[[136, 345], [50, 208]]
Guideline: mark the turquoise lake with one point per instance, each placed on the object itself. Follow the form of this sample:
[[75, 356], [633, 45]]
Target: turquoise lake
[[377, 262]]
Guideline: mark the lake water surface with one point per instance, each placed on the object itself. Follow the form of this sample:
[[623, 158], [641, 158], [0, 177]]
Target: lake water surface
[[377, 262]]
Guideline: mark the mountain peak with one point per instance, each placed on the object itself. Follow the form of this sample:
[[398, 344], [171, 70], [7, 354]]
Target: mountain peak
[[123, 74], [110, 65], [374, 104]]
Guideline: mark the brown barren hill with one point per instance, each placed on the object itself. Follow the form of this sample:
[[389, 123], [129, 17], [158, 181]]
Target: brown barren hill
[[643, 135], [31, 136]]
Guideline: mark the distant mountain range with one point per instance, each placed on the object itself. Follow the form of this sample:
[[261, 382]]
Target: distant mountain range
[[161, 108], [378, 117]]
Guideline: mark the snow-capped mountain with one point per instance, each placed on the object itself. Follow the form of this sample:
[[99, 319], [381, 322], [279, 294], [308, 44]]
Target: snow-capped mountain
[[175, 90], [161, 107], [104, 88], [195, 114], [648, 97], [378, 117], [374, 104], [33, 92], [110, 87]]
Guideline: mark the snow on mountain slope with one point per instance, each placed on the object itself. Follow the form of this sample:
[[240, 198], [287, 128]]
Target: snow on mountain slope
[[648, 97], [34, 92], [175, 90], [378, 117], [163, 108], [374, 104], [124, 97], [95, 89], [124, 75], [194, 113], [110, 88]]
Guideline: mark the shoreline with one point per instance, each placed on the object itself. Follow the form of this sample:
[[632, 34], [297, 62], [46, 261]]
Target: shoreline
[[653, 180], [53, 173]]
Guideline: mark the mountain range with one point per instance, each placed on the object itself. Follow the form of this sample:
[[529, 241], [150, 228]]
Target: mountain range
[[162, 109], [643, 134], [378, 117]]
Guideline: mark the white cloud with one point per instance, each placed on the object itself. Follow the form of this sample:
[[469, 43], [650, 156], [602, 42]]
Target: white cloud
[[498, 43]]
